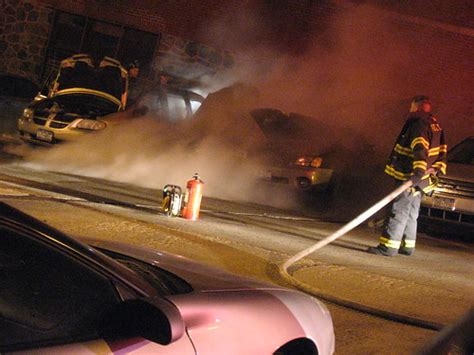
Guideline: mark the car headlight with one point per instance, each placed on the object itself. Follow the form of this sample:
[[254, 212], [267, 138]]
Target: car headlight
[[314, 162], [28, 113], [92, 125]]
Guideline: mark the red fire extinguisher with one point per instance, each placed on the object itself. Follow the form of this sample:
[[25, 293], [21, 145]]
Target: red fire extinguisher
[[193, 198]]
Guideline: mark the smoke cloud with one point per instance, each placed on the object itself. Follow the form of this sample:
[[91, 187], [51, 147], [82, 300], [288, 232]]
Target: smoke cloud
[[356, 76]]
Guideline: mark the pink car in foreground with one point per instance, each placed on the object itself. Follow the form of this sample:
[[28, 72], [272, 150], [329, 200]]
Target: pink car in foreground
[[59, 295]]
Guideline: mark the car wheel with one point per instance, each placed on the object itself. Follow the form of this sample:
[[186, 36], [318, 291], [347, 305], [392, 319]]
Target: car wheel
[[298, 347]]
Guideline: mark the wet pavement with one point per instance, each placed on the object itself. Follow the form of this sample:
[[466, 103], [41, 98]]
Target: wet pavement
[[435, 285]]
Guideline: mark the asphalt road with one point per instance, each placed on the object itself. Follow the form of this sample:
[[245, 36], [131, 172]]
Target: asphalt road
[[435, 285]]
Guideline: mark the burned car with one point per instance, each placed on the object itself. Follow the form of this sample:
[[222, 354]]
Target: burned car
[[77, 101], [292, 152], [60, 295], [453, 199], [293, 144]]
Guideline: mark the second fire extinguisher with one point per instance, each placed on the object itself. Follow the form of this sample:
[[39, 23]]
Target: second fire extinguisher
[[172, 197], [193, 198]]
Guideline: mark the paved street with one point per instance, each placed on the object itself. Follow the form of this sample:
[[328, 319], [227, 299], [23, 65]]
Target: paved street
[[435, 285]]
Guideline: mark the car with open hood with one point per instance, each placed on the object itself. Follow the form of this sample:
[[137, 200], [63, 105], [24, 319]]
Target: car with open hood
[[85, 97], [77, 101], [70, 296]]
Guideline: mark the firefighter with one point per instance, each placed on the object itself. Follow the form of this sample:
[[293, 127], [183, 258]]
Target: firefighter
[[419, 155], [137, 88], [133, 83]]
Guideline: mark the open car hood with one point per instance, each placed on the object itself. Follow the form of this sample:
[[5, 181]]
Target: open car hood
[[84, 91]]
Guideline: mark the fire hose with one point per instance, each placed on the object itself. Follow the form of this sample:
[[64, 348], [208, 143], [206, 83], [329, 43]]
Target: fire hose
[[284, 269]]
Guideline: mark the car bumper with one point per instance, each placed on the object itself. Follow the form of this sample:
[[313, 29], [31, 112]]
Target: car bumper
[[449, 207], [45, 135]]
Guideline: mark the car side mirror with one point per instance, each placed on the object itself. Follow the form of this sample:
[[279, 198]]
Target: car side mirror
[[154, 319]]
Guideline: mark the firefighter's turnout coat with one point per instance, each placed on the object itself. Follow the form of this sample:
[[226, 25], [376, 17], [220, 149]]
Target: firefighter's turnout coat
[[420, 146]]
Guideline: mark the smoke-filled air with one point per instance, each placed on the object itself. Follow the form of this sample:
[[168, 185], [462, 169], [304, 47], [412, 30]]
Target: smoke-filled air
[[353, 77]]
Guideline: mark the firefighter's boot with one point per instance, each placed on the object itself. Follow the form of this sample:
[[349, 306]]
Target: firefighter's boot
[[406, 251], [407, 247], [382, 250]]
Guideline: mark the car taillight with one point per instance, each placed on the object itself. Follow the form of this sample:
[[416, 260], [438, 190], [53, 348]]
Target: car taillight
[[309, 162], [316, 162]]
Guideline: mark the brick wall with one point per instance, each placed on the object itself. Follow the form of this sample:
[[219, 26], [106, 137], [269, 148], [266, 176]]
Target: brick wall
[[24, 29], [194, 38], [438, 61], [179, 18], [25, 26], [186, 26], [445, 69]]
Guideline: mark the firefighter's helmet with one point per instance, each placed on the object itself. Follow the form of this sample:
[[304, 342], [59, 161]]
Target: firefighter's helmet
[[134, 64], [417, 101]]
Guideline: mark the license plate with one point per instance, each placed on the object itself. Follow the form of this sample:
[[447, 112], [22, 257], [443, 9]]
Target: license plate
[[45, 136], [445, 203]]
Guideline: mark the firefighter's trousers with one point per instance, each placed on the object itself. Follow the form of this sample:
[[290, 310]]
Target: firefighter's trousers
[[400, 226]]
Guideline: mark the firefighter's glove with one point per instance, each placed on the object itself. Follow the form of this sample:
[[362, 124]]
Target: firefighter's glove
[[415, 179], [432, 171], [413, 191], [434, 180]]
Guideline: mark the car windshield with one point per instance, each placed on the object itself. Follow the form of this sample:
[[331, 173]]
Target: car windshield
[[164, 281], [463, 153], [81, 104]]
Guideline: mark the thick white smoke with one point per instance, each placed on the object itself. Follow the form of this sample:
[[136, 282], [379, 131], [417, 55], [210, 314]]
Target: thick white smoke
[[356, 76]]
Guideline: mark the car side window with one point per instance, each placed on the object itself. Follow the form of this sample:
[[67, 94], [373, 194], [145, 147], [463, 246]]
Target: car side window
[[46, 296]]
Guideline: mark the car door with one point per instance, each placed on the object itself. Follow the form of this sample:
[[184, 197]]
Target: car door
[[47, 297], [53, 302]]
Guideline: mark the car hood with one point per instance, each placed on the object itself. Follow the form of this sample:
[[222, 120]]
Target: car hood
[[460, 172], [90, 92], [202, 277]]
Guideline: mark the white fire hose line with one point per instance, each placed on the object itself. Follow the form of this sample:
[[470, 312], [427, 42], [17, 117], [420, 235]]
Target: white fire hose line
[[348, 227], [284, 268]]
